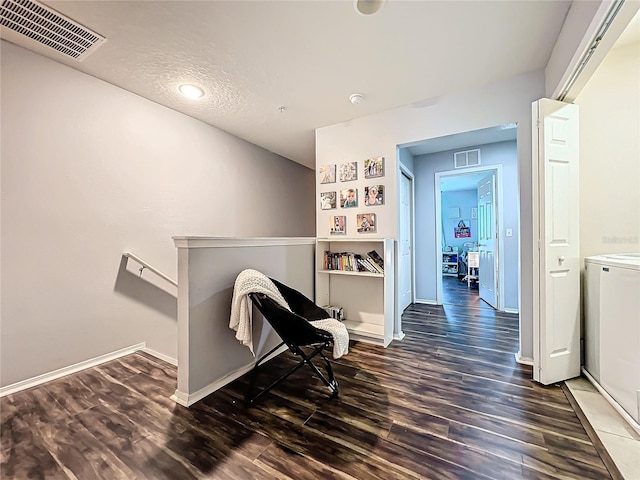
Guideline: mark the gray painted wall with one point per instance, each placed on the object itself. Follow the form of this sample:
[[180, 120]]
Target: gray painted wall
[[406, 159], [208, 349], [90, 171], [504, 153]]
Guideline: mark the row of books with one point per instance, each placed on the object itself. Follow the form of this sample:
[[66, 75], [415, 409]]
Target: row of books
[[354, 262]]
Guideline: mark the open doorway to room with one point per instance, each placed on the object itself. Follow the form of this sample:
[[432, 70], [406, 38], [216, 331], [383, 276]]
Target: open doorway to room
[[468, 212], [458, 219], [439, 168]]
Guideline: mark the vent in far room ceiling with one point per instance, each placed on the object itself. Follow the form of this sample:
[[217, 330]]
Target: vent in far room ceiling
[[33, 25], [468, 158]]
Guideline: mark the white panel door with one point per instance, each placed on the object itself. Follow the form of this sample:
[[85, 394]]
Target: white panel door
[[487, 235], [556, 136], [404, 244]]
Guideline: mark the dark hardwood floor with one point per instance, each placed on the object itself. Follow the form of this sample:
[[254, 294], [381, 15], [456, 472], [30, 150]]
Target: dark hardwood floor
[[448, 402]]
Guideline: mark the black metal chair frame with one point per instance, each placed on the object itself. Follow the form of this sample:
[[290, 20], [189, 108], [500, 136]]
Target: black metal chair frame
[[296, 332]]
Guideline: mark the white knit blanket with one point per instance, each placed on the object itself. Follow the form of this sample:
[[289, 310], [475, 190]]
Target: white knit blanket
[[249, 281], [339, 333]]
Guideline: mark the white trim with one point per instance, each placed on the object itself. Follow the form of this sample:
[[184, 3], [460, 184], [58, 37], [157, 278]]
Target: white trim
[[426, 302], [370, 339], [629, 419], [208, 242], [62, 372], [523, 360], [186, 400], [402, 170], [511, 310], [535, 241], [161, 356]]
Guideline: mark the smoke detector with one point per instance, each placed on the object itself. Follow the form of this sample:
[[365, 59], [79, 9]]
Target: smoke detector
[[356, 98]]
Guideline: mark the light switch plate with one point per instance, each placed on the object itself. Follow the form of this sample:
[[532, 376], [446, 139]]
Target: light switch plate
[[509, 232]]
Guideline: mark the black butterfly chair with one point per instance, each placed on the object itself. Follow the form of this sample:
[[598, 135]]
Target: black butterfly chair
[[296, 332]]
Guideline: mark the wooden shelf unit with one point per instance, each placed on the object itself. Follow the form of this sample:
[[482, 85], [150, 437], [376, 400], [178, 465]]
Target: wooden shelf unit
[[367, 298], [450, 264]]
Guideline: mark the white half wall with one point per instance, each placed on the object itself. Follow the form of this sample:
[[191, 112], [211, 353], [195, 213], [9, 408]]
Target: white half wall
[[90, 171], [498, 103]]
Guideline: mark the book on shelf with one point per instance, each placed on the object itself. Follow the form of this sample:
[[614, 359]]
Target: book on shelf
[[352, 262], [344, 261], [376, 261], [366, 266]]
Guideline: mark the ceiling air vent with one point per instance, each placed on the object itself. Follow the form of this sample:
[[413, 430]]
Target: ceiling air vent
[[468, 158], [31, 25]]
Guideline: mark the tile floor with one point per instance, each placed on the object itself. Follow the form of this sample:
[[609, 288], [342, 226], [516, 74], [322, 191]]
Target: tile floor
[[618, 437]]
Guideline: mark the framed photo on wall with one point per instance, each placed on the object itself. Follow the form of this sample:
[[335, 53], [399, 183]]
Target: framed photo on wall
[[374, 195], [366, 223], [374, 167], [349, 198], [462, 230], [338, 225], [327, 200], [328, 174], [349, 171]]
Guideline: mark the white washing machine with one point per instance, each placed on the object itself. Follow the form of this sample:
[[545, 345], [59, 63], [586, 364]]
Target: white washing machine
[[612, 327]]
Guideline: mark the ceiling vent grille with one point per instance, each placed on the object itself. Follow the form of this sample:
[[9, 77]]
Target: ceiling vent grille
[[468, 158], [47, 27]]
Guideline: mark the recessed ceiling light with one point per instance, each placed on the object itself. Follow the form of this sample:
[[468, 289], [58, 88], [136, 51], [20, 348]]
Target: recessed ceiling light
[[368, 7], [191, 91]]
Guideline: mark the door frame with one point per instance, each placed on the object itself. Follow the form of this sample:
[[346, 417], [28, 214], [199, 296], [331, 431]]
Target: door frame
[[398, 334], [497, 168]]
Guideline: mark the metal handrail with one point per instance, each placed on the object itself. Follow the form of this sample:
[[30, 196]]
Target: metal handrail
[[146, 265]]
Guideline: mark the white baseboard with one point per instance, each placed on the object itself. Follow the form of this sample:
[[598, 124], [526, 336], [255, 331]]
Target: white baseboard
[[399, 336], [61, 372], [426, 302], [523, 360], [161, 356], [628, 418], [188, 399], [511, 310]]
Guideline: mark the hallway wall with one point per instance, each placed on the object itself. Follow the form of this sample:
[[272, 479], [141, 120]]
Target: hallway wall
[[90, 171]]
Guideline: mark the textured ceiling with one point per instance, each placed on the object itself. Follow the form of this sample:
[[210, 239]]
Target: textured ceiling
[[252, 57]]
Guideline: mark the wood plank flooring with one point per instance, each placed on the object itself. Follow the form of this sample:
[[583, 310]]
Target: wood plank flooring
[[448, 402]]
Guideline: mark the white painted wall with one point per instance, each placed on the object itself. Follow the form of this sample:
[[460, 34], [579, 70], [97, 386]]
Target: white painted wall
[[580, 25], [90, 171], [501, 153], [610, 156], [482, 107]]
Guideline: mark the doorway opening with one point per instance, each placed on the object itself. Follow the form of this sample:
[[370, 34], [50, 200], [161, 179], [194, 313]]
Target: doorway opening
[[468, 214], [438, 225]]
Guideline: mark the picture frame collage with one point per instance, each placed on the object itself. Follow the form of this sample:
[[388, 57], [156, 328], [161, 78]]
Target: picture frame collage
[[372, 194]]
